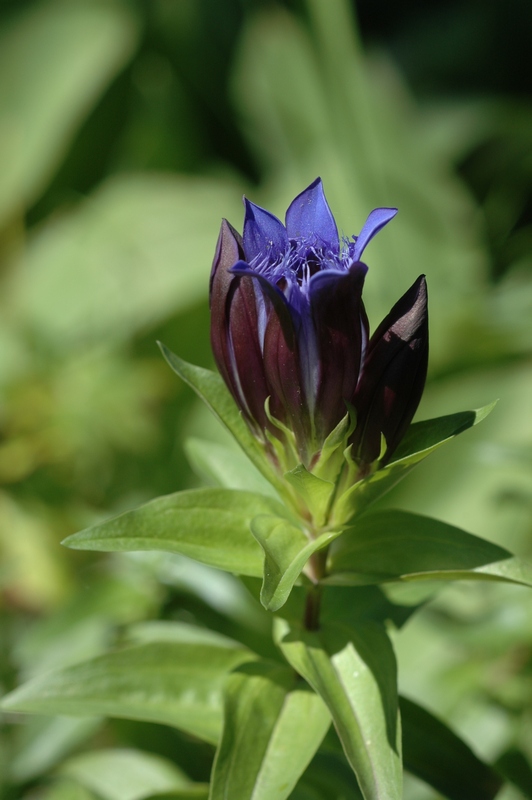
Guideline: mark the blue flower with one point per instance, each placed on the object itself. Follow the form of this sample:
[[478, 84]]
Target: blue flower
[[290, 334]]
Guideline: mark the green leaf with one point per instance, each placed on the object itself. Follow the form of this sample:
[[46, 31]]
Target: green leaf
[[316, 492], [429, 434], [225, 466], [174, 684], [329, 776], [163, 630], [68, 790], [46, 743], [209, 386], [421, 439], [516, 768], [209, 525], [124, 774], [84, 46], [397, 545], [198, 791], [264, 762], [432, 752], [286, 550], [354, 671]]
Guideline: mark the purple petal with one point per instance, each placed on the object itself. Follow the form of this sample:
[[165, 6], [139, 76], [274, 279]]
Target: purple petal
[[377, 219], [287, 314], [282, 365], [309, 216], [264, 234], [245, 349], [341, 328], [228, 250]]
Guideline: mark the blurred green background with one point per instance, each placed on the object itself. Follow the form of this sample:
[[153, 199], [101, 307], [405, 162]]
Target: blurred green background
[[127, 130]]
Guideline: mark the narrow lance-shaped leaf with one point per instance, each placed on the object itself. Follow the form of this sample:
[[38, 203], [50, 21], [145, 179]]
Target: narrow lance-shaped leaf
[[200, 791], [436, 755], [264, 761], [124, 774], [209, 525], [432, 752], [354, 672], [421, 439], [397, 545], [516, 768], [175, 684]]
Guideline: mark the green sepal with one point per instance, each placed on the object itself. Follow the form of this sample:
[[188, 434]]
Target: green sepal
[[209, 525], [287, 550], [315, 492], [264, 761], [421, 439], [286, 451], [400, 546], [354, 671], [330, 460]]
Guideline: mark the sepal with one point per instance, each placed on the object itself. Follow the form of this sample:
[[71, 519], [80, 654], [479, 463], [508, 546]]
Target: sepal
[[421, 439]]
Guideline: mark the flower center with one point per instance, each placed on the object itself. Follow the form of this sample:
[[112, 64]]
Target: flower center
[[303, 258]]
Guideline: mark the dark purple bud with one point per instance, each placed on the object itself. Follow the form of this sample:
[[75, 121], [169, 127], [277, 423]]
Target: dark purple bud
[[342, 334], [234, 330], [228, 251], [283, 368], [246, 350], [393, 376], [288, 322]]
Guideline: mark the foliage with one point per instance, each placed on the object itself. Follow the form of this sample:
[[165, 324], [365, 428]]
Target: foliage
[[118, 160]]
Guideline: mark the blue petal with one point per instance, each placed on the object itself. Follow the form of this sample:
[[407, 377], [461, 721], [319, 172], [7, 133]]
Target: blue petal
[[264, 234], [377, 219], [309, 217]]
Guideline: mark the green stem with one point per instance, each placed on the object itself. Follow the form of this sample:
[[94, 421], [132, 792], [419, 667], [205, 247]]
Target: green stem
[[312, 609], [316, 571]]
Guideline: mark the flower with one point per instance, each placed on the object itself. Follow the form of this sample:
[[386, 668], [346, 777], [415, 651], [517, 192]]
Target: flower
[[290, 334]]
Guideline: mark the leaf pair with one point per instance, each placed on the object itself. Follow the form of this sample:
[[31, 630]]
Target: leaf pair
[[215, 527], [181, 682]]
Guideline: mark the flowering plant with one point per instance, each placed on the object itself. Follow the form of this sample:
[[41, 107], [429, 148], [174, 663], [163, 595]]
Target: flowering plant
[[290, 334], [324, 412]]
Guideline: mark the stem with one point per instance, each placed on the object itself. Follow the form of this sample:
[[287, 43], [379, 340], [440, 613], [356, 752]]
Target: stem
[[316, 571], [312, 609]]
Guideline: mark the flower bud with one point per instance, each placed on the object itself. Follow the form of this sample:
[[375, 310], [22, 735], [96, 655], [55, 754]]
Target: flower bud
[[289, 330], [393, 377]]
